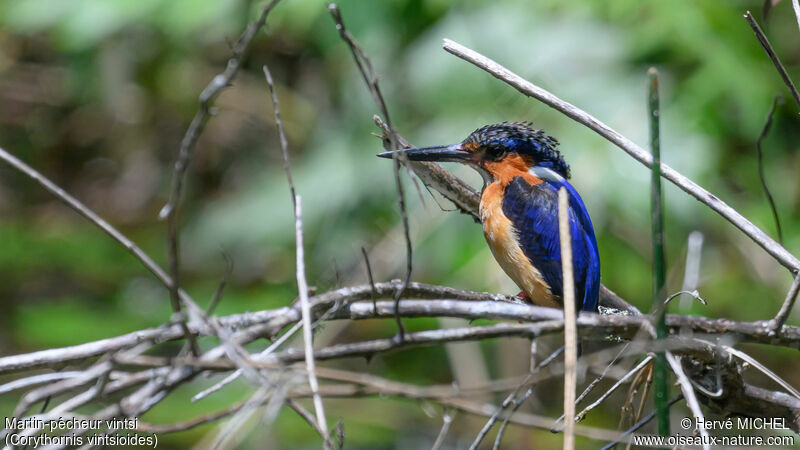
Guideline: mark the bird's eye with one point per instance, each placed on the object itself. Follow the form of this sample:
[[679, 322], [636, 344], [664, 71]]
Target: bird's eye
[[495, 152]]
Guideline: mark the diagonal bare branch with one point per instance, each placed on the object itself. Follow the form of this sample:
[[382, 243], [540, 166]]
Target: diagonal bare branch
[[762, 39]]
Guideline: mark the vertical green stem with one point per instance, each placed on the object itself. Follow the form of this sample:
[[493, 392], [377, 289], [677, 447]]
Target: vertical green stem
[[661, 388]]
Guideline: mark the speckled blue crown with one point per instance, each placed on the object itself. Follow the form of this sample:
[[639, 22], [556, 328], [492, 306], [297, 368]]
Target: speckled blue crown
[[519, 137]]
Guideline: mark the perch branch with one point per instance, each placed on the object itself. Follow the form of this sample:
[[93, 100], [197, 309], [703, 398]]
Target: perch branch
[[474, 307]]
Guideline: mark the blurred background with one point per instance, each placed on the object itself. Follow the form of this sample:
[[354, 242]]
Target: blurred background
[[96, 94]]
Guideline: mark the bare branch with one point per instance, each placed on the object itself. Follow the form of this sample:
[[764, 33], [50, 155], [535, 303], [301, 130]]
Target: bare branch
[[33, 380], [447, 420], [762, 39], [786, 307], [473, 308], [796, 7], [644, 421], [287, 165], [761, 176], [221, 286], [688, 394], [614, 387], [308, 338]]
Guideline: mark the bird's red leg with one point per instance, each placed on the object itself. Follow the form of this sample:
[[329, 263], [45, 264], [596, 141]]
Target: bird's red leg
[[524, 296]]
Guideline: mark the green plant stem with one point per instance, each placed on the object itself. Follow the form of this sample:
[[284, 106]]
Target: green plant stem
[[661, 388]]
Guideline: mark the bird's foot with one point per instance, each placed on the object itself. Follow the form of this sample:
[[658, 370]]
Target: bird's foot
[[524, 296]]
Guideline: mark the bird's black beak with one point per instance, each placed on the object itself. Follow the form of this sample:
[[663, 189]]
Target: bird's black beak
[[441, 153]]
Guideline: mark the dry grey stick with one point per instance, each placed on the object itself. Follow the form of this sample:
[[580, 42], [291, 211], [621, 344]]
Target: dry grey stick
[[447, 420], [387, 387], [283, 316], [395, 388], [690, 187], [308, 338], [594, 382], [796, 7], [37, 379], [755, 363], [688, 394], [613, 388], [570, 328], [473, 307], [372, 291], [238, 372], [786, 307], [307, 416], [287, 166], [302, 285], [762, 39], [87, 213], [106, 227]]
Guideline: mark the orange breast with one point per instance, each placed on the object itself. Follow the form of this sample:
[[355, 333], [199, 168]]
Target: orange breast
[[502, 239]]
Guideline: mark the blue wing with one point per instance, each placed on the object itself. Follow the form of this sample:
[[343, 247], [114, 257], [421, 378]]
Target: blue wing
[[533, 210]]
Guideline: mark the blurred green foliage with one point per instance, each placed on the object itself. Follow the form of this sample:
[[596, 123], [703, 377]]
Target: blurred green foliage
[[97, 94]]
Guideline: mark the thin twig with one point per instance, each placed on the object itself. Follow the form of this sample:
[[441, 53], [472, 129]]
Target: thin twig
[[762, 39], [761, 176], [77, 206], [688, 394], [308, 338], [754, 362], [371, 280], [613, 388], [371, 80], [594, 383], [302, 285], [33, 380], [644, 421], [447, 420], [287, 165], [526, 87], [221, 286], [777, 323], [307, 416], [570, 328], [529, 378]]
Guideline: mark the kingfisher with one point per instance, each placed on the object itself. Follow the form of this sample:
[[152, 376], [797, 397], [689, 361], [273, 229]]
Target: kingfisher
[[522, 171]]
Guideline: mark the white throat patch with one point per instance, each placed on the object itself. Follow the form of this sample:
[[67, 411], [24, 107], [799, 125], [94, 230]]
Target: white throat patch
[[545, 174]]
